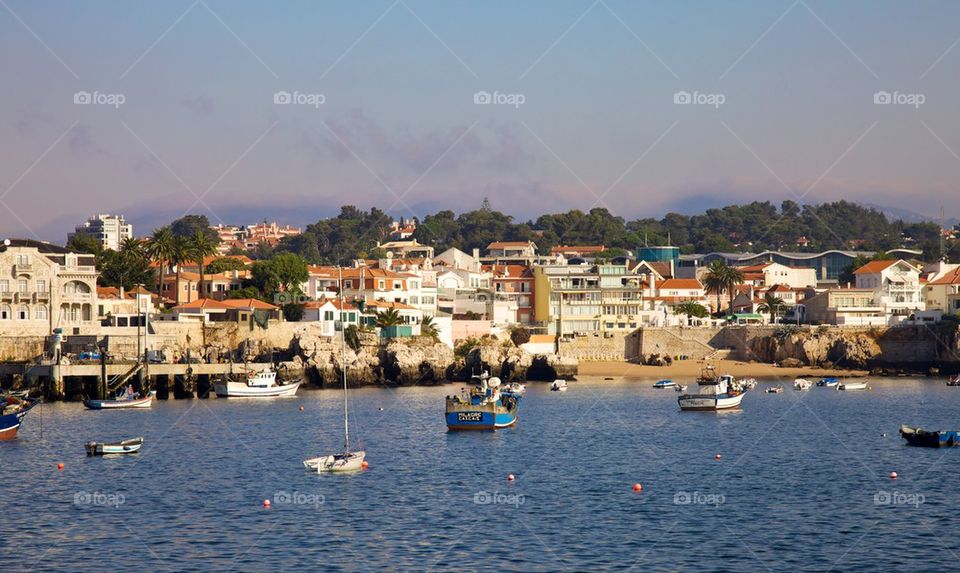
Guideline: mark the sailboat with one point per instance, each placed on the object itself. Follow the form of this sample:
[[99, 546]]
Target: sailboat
[[346, 461]]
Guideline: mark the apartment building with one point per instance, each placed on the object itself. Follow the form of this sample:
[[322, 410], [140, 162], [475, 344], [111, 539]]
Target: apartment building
[[110, 230]]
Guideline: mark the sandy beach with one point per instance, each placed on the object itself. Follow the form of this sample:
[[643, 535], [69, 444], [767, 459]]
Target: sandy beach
[[690, 369]]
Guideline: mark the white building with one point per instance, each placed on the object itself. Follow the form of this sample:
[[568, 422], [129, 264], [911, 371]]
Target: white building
[[895, 285], [110, 230]]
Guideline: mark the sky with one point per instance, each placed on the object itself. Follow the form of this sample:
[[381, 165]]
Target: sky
[[245, 111]]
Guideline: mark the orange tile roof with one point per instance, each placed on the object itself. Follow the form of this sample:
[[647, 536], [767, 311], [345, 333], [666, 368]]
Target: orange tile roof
[[314, 304], [951, 278], [875, 266], [389, 304], [202, 304], [680, 284], [248, 303], [503, 244]]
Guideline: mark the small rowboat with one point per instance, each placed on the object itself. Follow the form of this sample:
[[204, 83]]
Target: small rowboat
[[106, 448], [664, 384], [852, 386], [802, 384], [775, 389], [125, 402], [559, 385]]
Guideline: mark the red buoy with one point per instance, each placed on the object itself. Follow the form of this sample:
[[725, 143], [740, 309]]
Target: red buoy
[[60, 466], [511, 477], [893, 475], [637, 487], [364, 464], [266, 503]]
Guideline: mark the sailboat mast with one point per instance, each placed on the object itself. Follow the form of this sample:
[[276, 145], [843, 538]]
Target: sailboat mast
[[343, 364]]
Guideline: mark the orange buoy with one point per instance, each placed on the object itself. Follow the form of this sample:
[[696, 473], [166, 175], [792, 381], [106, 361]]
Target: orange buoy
[[717, 457], [893, 475], [266, 503], [60, 466], [364, 464], [637, 487], [511, 477]]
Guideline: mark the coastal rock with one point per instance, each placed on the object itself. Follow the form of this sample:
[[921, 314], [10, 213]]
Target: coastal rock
[[420, 360], [843, 349]]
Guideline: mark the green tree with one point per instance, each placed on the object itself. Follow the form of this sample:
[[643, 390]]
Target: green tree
[[199, 247], [691, 309], [773, 305], [721, 277], [188, 226], [291, 271], [84, 242], [389, 317], [125, 268], [428, 328], [224, 264], [293, 312], [160, 248]]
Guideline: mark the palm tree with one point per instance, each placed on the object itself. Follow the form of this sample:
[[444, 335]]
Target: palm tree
[[389, 317], [179, 254], [772, 304], [201, 246], [159, 248], [691, 308], [428, 328], [721, 277]]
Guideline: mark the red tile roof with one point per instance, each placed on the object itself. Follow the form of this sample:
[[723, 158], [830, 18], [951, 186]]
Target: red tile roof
[[951, 278], [680, 284], [875, 266]]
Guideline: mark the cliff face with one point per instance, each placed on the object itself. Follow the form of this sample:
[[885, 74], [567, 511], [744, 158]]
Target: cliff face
[[511, 363], [850, 350]]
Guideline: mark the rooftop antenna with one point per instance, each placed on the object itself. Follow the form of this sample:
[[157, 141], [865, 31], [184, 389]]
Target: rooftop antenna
[[941, 233], [668, 239]]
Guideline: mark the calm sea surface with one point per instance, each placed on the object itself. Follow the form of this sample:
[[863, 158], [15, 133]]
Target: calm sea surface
[[802, 485]]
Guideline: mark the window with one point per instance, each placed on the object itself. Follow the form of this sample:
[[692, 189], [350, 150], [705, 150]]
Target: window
[[397, 285], [41, 285], [4, 286], [23, 259], [23, 285], [348, 284], [381, 284], [4, 312], [328, 315], [40, 313], [23, 313]]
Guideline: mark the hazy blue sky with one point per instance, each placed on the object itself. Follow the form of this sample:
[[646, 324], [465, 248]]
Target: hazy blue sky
[[398, 126]]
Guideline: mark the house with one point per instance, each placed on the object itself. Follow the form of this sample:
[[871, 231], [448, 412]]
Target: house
[[187, 286], [409, 315], [513, 293], [672, 292], [577, 251], [407, 249], [896, 287], [503, 251], [328, 312], [119, 308], [770, 274], [943, 293], [845, 307], [207, 310], [43, 287]]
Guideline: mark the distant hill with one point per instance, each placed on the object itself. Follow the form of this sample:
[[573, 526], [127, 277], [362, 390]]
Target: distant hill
[[908, 216]]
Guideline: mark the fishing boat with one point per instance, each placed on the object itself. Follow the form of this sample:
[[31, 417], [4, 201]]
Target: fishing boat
[[775, 389], [348, 460], [929, 439], [723, 393], [708, 374], [828, 382], [852, 386], [802, 384], [131, 446], [559, 385], [484, 407], [664, 384], [14, 410], [127, 399], [515, 388], [262, 384], [955, 381]]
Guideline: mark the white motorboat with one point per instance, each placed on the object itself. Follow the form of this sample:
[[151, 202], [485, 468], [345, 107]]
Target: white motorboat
[[775, 389], [559, 385], [347, 460], [802, 384], [852, 386], [262, 384], [748, 383], [716, 394], [108, 448], [514, 388]]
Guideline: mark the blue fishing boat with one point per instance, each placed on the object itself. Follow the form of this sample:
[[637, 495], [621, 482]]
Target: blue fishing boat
[[484, 407], [14, 411], [928, 439], [664, 384], [828, 382]]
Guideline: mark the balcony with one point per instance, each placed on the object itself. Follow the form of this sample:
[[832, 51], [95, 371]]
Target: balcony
[[22, 268], [6, 295]]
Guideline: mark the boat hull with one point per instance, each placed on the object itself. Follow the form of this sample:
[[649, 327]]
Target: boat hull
[[852, 386], [479, 420], [348, 462], [104, 449], [696, 402], [241, 390], [925, 439], [139, 403]]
